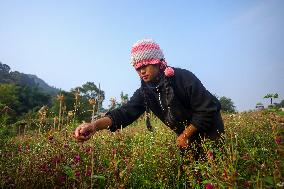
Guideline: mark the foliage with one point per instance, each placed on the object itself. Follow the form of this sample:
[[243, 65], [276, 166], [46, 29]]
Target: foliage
[[9, 96], [259, 104], [136, 158], [271, 96], [281, 104], [227, 105], [21, 99], [123, 98], [22, 93]]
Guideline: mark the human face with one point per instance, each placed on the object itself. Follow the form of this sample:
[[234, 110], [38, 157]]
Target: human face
[[149, 72]]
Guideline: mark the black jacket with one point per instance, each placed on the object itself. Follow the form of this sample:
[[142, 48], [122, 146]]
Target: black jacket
[[192, 103]]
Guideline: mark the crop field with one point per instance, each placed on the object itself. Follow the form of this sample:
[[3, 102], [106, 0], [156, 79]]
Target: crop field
[[49, 157]]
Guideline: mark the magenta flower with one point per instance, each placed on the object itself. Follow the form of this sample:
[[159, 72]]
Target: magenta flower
[[89, 171], [61, 179], [88, 150], [28, 147], [209, 186], [77, 174], [86, 134], [210, 155], [44, 168], [20, 149], [126, 160], [278, 140], [114, 151], [56, 160], [77, 159], [247, 184], [225, 174], [50, 138], [20, 170]]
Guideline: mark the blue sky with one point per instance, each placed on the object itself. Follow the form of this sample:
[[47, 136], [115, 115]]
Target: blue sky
[[234, 47]]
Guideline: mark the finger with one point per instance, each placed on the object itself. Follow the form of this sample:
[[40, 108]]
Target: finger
[[77, 131], [81, 139], [84, 137]]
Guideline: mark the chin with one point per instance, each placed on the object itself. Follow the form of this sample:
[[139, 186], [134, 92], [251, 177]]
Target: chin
[[147, 80]]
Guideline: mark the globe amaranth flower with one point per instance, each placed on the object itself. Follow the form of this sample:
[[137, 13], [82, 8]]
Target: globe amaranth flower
[[77, 159], [209, 186], [77, 174]]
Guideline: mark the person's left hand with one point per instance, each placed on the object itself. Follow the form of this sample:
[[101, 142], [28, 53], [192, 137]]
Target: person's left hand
[[182, 141]]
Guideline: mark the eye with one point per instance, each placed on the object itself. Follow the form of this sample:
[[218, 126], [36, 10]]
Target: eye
[[141, 67]]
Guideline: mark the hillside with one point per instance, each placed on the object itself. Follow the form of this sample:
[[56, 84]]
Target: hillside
[[22, 79]]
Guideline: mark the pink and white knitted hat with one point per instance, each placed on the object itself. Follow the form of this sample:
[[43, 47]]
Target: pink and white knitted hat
[[147, 51]]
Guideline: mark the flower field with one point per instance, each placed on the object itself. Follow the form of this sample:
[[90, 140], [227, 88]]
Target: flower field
[[251, 157]]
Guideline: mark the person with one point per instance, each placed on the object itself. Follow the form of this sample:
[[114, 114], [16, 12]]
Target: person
[[176, 96]]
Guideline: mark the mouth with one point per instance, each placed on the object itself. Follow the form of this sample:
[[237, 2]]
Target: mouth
[[145, 77]]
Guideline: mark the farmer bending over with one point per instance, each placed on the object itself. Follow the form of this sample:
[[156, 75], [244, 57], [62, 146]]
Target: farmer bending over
[[176, 96]]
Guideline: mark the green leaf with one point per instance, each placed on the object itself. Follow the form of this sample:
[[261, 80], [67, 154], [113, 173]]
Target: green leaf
[[106, 162], [269, 180], [68, 171], [100, 177]]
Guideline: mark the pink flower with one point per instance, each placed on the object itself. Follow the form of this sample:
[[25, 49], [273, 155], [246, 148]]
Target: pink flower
[[114, 151], [86, 134], [77, 158], [126, 160], [20, 149], [169, 72], [50, 138], [247, 184], [56, 159], [61, 179], [278, 140], [77, 174], [209, 186], [89, 171], [28, 147], [88, 150], [225, 174], [210, 155], [44, 168]]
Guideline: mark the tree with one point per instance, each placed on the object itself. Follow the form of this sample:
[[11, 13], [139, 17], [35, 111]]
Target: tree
[[4, 68], [31, 98], [4, 73], [9, 96], [91, 91], [113, 104], [271, 96], [124, 98], [282, 104], [227, 105]]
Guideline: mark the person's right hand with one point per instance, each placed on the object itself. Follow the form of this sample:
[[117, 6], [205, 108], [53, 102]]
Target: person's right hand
[[84, 131]]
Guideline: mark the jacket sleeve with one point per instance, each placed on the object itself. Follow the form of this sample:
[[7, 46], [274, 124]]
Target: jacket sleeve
[[126, 114], [203, 105]]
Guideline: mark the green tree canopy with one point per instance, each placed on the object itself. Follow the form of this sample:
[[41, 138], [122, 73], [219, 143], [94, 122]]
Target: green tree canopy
[[281, 103], [9, 96], [124, 98], [271, 96], [227, 105]]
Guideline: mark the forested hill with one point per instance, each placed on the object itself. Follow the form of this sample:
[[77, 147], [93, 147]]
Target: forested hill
[[22, 79]]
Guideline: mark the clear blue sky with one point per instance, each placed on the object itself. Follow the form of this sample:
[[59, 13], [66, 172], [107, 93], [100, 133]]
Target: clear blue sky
[[234, 47]]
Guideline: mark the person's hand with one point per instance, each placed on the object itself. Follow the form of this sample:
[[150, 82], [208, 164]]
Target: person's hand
[[84, 131], [182, 141]]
